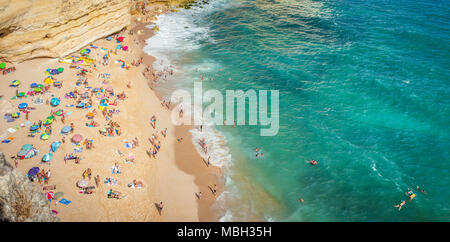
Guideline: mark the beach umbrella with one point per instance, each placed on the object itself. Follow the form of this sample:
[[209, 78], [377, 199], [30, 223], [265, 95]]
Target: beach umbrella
[[55, 101], [80, 105], [21, 94], [37, 89], [59, 112], [15, 115], [2, 65], [48, 80], [45, 136], [58, 195], [33, 171], [50, 195], [27, 147], [34, 127], [109, 38], [15, 83], [120, 39], [33, 85], [51, 117], [23, 105], [48, 121], [125, 48], [40, 85], [55, 145], [90, 114], [82, 183], [65, 129], [60, 70], [54, 72], [77, 138], [47, 157]]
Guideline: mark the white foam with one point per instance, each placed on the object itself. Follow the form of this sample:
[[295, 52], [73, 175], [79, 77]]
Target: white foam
[[179, 34]]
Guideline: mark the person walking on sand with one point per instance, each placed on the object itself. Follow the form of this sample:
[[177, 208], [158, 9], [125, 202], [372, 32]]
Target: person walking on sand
[[215, 189], [199, 195], [160, 206]]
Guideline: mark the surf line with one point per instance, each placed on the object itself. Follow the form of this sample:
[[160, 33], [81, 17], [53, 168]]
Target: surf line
[[214, 111]]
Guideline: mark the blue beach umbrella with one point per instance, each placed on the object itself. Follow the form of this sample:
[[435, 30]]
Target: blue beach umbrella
[[65, 130], [23, 105], [54, 102], [34, 127], [33, 85], [33, 171], [55, 145], [80, 105]]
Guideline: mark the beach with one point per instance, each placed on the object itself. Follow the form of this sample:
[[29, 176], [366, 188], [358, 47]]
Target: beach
[[174, 176]]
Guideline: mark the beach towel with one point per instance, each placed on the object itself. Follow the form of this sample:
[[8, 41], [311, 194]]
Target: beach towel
[[11, 130], [65, 201], [49, 187]]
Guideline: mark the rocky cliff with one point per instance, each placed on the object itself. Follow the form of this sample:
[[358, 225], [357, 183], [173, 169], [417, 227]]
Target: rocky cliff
[[55, 28], [21, 200]]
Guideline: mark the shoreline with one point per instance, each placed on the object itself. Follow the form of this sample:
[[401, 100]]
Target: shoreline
[[174, 177], [189, 160]]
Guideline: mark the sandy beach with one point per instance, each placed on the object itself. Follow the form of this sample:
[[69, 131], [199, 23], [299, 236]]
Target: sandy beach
[[174, 176]]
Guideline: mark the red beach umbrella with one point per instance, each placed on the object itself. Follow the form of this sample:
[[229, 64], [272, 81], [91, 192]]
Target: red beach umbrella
[[77, 138]]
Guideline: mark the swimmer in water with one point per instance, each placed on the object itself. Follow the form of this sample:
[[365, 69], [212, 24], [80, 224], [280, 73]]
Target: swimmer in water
[[256, 149], [421, 190], [399, 206], [301, 200]]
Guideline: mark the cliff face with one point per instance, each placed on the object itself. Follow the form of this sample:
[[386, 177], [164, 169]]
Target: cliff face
[[55, 28], [21, 200]]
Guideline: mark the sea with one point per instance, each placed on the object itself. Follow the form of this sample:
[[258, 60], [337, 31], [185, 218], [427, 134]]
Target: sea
[[364, 89]]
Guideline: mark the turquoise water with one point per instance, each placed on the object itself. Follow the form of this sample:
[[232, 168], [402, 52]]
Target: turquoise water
[[364, 90]]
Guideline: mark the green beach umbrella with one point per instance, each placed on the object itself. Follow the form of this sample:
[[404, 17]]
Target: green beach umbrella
[[59, 112], [21, 94], [48, 121], [37, 89], [60, 69], [51, 117], [15, 83], [2, 65], [45, 136], [47, 157]]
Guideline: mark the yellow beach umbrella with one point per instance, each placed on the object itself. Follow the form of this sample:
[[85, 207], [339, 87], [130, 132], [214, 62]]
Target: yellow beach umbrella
[[48, 80]]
